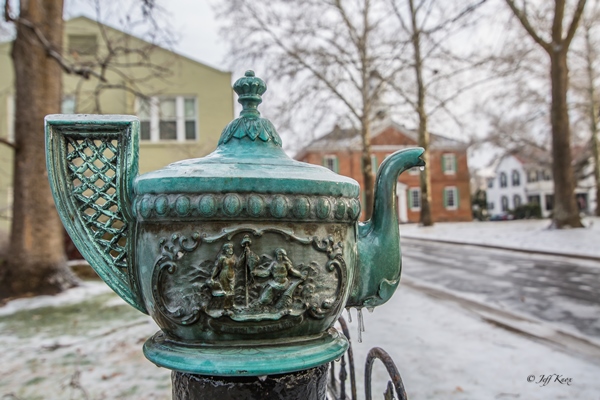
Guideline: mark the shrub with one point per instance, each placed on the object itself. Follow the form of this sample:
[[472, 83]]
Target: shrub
[[527, 211]]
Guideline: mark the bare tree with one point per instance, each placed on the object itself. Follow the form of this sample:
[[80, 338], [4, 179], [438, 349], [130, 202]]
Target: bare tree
[[556, 44], [332, 56], [429, 26], [593, 111], [37, 262], [587, 73]]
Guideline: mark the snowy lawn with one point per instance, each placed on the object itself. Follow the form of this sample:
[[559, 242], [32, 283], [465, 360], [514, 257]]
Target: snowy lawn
[[87, 344], [531, 235], [82, 344]]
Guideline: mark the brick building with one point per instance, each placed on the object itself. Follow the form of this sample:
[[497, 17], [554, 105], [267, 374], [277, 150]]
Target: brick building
[[450, 194]]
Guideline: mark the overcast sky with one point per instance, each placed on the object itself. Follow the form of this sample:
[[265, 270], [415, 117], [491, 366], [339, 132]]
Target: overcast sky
[[196, 28]]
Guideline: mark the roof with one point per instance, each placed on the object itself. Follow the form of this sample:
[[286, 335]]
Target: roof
[[349, 139], [83, 17]]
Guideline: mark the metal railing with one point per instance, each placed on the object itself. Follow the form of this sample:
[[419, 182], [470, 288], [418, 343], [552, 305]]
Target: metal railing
[[337, 384]]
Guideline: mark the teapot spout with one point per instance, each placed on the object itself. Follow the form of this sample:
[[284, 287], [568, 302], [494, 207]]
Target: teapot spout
[[379, 257]]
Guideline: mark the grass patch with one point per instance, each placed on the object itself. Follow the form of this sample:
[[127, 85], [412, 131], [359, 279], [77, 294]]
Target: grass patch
[[34, 381], [78, 319]]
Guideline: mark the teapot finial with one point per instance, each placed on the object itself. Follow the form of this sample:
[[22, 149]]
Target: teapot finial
[[249, 124], [250, 89]]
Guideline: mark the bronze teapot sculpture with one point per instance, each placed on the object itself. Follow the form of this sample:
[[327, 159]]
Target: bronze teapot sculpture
[[245, 258]]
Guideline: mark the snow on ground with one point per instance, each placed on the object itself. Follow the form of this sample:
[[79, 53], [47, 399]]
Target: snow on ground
[[85, 343], [445, 352], [531, 235], [94, 344]]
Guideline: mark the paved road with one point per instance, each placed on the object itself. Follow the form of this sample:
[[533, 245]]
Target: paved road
[[563, 291]]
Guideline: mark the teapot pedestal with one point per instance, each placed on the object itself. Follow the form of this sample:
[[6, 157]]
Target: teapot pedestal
[[246, 359], [310, 384]]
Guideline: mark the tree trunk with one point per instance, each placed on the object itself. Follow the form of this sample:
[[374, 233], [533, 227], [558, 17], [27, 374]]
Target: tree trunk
[[425, 179], [566, 212], [365, 120], [593, 109], [36, 263], [367, 169], [595, 152]]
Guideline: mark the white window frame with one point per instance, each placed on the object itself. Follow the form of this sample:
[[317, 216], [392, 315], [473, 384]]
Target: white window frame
[[503, 182], [411, 204], [454, 191], [515, 174], [334, 160], [180, 119], [449, 163], [504, 205], [520, 201]]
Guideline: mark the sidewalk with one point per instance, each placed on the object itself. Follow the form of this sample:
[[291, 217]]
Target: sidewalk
[[521, 235], [89, 340]]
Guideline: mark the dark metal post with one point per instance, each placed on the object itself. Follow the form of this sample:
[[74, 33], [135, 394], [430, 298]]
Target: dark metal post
[[310, 384]]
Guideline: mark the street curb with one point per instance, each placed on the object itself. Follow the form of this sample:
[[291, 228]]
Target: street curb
[[492, 246], [514, 322]]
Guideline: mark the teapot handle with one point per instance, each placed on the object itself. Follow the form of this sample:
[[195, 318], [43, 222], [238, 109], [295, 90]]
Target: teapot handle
[[92, 161]]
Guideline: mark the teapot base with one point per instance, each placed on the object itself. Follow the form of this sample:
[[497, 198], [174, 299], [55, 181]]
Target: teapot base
[[247, 359]]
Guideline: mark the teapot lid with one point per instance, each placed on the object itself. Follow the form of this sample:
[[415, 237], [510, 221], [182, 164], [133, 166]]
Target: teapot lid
[[248, 158]]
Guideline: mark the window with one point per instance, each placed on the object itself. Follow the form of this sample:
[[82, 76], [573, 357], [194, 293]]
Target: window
[[83, 45], [549, 202], [331, 162], [451, 198], [533, 176], [581, 199], [516, 200], [490, 205], [68, 105], [449, 163], [546, 175], [516, 178], [503, 182], [490, 183], [167, 118], [504, 201], [534, 199], [414, 199]]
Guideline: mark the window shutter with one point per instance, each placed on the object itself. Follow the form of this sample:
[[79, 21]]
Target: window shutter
[[410, 199], [443, 170], [336, 165], [457, 199], [374, 163], [455, 165], [445, 199]]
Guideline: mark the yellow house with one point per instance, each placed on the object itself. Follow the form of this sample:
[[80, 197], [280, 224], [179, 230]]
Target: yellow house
[[183, 105]]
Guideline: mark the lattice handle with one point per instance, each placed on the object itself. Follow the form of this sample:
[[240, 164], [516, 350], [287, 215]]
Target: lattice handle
[[92, 161]]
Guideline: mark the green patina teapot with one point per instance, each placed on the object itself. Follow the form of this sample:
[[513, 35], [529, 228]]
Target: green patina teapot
[[245, 258]]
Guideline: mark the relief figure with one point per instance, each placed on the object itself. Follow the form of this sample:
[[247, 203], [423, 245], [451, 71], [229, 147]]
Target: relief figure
[[279, 284], [222, 281]]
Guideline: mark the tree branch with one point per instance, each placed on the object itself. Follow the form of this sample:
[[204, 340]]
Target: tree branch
[[525, 22], [7, 142], [85, 72], [574, 23]]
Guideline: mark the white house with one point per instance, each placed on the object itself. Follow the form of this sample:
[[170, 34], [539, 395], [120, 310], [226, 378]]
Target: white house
[[517, 181]]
